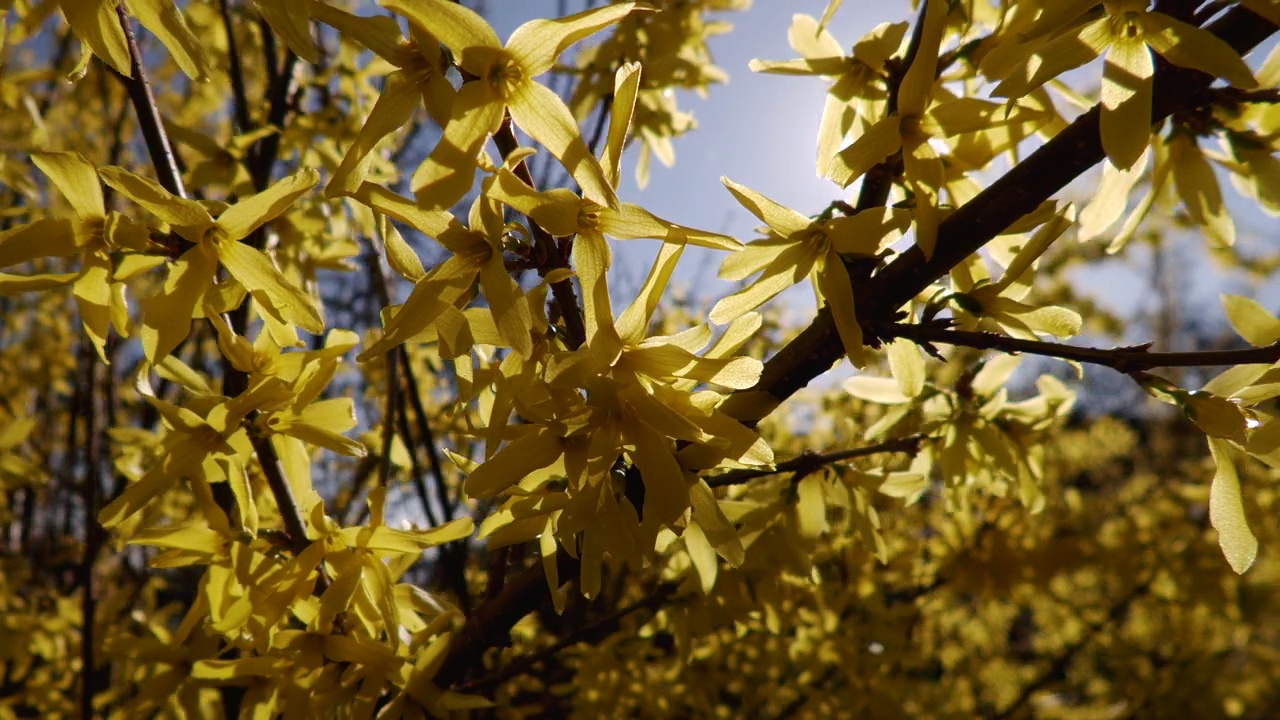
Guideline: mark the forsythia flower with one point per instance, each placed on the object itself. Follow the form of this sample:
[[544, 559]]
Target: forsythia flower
[[167, 315], [504, 82], [95, 235], [798, 246], [1128, 32]]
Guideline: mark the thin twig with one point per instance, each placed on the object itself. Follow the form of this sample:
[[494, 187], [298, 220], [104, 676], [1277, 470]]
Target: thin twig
[[144, 103], [1126, 360], [809, 462], [236, 71]]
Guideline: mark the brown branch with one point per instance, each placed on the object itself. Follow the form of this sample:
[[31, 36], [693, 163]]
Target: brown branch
[[524, 663], [236, 71], [1126, 360], [144, 103], [808, 462], [1019, 191], [548, 255], [490, 624]]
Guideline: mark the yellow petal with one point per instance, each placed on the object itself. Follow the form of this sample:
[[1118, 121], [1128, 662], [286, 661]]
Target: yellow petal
[[538, 43], [392, 111], [737, 373], [182, 458], [46, 237], [514, 462], [290, 20], [96, 23], [666, 495], [12, 284], [459, 28], [877, 143], [379, 33], [163, 19], [76, 180], [1251, 320], [542, 115], [254, 270], [1192, 47], [159, 202], [432, 223], [1126, 101], [441, 287], [917, 83], [447, 173], [1065, 52], [906, 364], [166, 316], [635, 319], [1197, 187], [509, 306], [782, 220], [591, 258], [400, 256], [833, 283], [789, 268], [250, 213], [1226, 510], [626, 87], [632, 221]]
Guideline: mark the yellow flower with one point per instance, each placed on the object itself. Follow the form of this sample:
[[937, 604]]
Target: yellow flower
[[504, 82], [167, 315], [915, 123], [96, 235], [419, 75], [589, 217], [857, 92], [798, 246], [477, 252], [1128, 32], [981, 304], [97, 25]]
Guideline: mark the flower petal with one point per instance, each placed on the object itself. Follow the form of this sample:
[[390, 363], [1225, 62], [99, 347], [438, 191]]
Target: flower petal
[[538, 43], [260, 277], [1192, 47], [392, 111], [545, 118], [166, 316], [148, 193], [1126, 101], [782, 220], [250, 213], [877, 143], [46, 237], [448, 172], [76, 179]]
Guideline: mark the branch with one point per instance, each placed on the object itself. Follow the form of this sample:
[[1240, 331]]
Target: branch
[[1127, 360], [1019, 191], [490, 625], [524, 663], [548, 255], [144, 103], [808, 462]]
